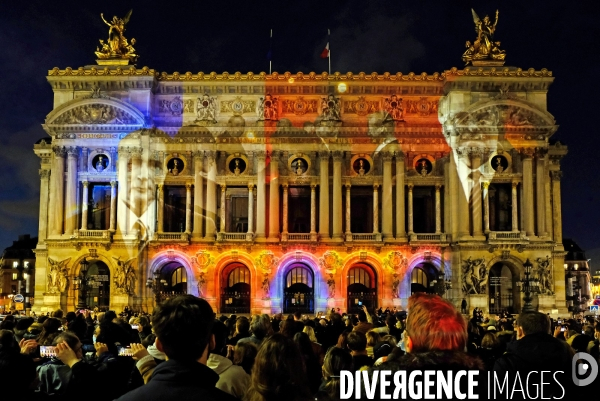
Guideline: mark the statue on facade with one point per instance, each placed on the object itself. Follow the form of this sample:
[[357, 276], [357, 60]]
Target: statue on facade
[[117, 46], [57, 276], [330, 109], [125, 276], [545, 275], [100, 164], [266, 287], [484, 48], [474, 276], [393, 106], [175, 169], [361, 167], [299, 167], [201, 284], [395, 285], [331, 284], [498, 163], [207, 109], [267, 108], [237, 170]]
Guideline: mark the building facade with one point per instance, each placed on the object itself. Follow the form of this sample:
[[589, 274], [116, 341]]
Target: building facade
[[283, 192], [17, 274], [578, 278]]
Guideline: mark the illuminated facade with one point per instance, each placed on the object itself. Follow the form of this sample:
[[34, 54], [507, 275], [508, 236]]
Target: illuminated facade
[[282, 192]]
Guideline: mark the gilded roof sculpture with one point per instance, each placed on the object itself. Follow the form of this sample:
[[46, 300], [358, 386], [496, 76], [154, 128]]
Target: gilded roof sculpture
[[484, 50], [116, 50]]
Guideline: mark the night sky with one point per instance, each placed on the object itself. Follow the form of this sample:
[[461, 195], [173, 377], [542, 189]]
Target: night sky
[[418, 36]]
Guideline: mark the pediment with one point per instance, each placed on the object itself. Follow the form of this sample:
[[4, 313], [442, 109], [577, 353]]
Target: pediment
[[95, 111], [506, 114]]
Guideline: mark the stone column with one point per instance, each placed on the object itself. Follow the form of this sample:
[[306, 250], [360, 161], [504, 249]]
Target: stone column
[[556, 206], [250, 234], [44, 200], [71, 198], [285, 213], [514, 208], [161, 209], [84, 205], [348, 214], [211, 197], [486, 207], [324, 194], [528, 191], [462, 211], [386, 197], [122, 174], [188, 208], [410, 209], [438, 210], [400, 220], [476, 193], [274, 198], [222, 225], [313, 212], [261, 198], [83, 165], [337, 195], [540, 204], [134, 201], [113, 206], [198, 194], [376, 208]]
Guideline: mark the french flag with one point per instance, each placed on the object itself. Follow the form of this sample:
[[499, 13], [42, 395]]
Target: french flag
[[325, 52]]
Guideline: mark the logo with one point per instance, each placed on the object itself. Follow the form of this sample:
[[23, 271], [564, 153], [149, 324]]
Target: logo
[[19, 298], [584, 365]]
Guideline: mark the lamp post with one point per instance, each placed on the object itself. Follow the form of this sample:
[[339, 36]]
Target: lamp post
[[81, 283], [529, 286], [156, 284]]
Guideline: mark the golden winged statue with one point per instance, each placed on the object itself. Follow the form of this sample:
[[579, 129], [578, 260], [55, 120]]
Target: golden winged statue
[[484, 50], [116, 47]]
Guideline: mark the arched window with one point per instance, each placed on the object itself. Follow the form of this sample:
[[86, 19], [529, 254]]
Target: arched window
[[418, 276], [299, 275], [359, 275], [240, 274], [179, 276]]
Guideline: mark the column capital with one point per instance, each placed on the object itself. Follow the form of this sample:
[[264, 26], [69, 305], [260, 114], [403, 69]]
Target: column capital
[[323, 154], [515, 184], [188, 186], [223, 186], [44, 174], [376, 185], [113, 184], [211, 155], [199, 156], [285, 186], [338, 155], [387, 156], [556, 175], [136, 153], [348, 185], [124, 151], [527, 152], [313, 187], [540, 153], [261, 155], [484, 184], [85, 183], [439, 186], [160, 186], [399, 156], [250, 187], [59, 151], [410, 186]]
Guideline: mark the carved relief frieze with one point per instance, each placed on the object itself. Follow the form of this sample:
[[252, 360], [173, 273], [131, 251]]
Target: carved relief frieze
[[95, 114], [238, 106], [299, 106], [422, 107], [361, 106], [502, 115]]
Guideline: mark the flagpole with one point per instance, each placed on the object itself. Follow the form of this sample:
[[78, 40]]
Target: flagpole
[[270, 53], [329, 53]]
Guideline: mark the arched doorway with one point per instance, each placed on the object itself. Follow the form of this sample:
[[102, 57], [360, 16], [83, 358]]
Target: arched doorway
[[173, 276], [298, 291], [361, 288], [503, 289], [421, 278], [98, 294], [235, 289]]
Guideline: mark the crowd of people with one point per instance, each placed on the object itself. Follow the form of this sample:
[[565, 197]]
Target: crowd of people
[[183, 351]]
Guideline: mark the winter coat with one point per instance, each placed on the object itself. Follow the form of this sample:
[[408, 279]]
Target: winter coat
[[180, 380], [233, 379]]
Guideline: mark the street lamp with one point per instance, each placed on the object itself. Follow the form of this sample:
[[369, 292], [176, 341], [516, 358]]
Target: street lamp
[[529, 286], [156, 284], [81, 283]]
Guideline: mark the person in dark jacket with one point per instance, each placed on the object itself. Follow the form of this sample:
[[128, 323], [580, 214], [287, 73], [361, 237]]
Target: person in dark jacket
[[183, 328], [537, 350]]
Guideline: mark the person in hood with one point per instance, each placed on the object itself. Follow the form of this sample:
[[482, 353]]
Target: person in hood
[[183, 327], [232, 378]]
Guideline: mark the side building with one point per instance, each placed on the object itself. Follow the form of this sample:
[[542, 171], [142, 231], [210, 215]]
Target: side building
[[17, 275], [283, 192]]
